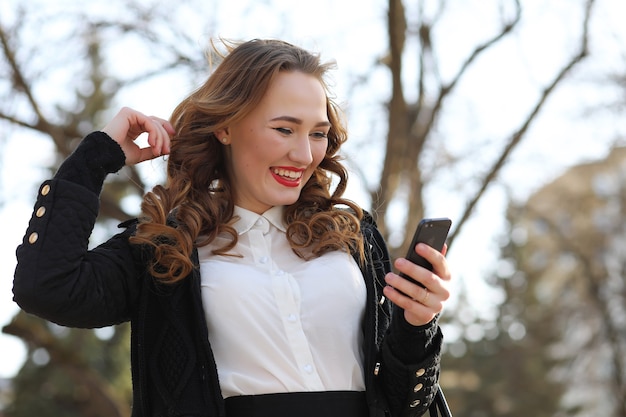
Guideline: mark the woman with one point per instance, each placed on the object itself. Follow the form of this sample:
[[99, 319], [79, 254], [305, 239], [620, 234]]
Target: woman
[[251, 288]]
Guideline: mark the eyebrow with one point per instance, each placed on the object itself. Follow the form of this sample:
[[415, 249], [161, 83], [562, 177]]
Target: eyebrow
[[298, 121]]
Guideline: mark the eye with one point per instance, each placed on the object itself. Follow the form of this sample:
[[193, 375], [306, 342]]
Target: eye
[[320, 135], [283, 130]]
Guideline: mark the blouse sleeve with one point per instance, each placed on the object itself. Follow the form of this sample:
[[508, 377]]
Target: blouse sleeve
[[57, 277]]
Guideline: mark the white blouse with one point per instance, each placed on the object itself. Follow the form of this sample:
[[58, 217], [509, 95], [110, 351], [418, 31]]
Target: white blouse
[[278, 323]]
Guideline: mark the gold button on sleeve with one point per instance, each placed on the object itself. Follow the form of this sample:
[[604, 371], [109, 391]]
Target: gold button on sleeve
[[418, 387], [414, 403], [420, 372], [33, 237], [40, 211], [45, 189]]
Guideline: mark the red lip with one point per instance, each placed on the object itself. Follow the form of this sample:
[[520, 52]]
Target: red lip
[[287, 182]]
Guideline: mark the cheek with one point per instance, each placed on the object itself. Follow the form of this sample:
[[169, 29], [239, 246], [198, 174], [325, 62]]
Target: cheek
[[318, 151], [245, 156]]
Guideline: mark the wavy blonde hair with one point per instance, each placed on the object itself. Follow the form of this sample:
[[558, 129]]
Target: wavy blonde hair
[[197, 198]]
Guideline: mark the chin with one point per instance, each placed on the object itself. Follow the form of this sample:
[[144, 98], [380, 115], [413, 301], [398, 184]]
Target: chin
[[286, 200]]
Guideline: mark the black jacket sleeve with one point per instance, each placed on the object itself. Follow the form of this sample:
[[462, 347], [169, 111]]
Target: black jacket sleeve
[[57, 277], [411, 359], [409, 356]]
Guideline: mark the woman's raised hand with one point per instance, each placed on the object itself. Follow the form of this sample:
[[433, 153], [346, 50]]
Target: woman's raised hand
[[421, 303], [126, 127]]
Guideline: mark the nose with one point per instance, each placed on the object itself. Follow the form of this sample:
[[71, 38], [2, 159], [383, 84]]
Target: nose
[[300, 151]]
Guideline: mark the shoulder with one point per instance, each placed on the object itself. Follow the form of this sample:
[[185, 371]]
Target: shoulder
[[143, 253], [367, 226], [374, 245], [368, 220], [370, 230]]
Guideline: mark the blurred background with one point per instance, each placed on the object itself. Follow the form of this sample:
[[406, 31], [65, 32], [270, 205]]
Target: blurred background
[[506, 116]]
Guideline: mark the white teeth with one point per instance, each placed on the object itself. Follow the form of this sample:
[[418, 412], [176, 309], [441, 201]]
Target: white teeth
[[287, 174]]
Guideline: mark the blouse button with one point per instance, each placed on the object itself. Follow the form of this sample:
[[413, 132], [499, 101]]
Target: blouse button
[[418, 387], [263, 259], [45, 189], [33, 237], [420, 372], [414, 404], [40, 211], [263, 225], [308, 368], [291, 317]]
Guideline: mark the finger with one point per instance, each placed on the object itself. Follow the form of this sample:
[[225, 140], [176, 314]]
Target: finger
[[121, 127], [422, 296], [410, 269], [407, 287], [423, 299], [415, 313], [423, 280], [155, 137], [416, 272], [146, 154], [166, 125], [436, 259], [165, 131], [158, 137], [418, 302], [398, 297]]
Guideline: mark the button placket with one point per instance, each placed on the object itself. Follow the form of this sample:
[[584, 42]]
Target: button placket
[[259, 242], [287, 293]]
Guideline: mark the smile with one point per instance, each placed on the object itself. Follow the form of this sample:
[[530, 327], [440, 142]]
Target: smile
[[288, 177], [294, 175]]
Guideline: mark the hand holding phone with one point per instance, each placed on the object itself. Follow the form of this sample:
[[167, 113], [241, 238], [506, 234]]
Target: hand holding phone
[[432, 232]]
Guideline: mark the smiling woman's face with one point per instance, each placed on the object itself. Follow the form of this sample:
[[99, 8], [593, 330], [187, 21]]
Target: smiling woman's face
[[275, 149]]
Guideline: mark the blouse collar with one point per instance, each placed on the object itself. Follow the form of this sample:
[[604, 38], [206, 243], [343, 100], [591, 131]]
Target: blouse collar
[[247, 219]]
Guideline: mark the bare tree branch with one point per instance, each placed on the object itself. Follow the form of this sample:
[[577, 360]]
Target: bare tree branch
[[519, 134], [23, 86], [421, 132], [410, 125]]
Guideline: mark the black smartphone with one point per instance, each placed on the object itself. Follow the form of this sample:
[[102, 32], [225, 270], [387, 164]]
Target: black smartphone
[[432, 232]]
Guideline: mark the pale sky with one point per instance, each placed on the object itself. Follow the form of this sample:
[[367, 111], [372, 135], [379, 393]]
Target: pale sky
[[489, 104]]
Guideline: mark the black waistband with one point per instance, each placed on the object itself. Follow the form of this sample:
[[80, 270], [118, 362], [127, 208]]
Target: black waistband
[[299, 404]]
